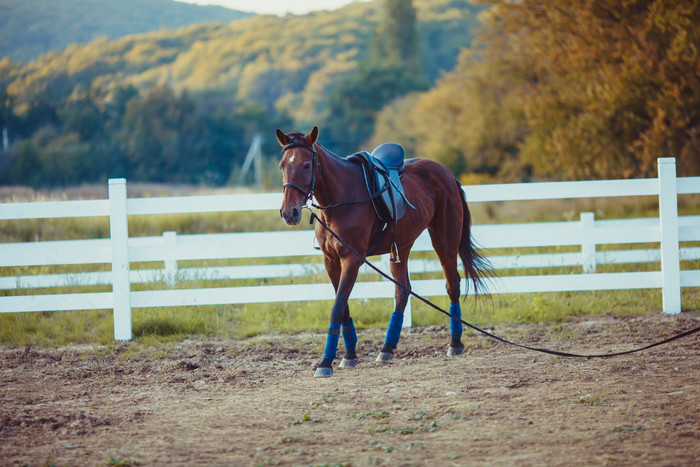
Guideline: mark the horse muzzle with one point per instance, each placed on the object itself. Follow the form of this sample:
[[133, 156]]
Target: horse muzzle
[[291, 216]]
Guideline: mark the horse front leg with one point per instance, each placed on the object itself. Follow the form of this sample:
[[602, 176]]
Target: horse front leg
[[347, 327], [401, 297], [340, 318], [350, 341]]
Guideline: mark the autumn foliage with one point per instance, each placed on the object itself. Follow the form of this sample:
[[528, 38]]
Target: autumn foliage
[[568, 89]]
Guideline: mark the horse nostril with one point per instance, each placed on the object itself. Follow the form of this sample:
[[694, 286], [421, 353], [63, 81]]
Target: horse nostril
[[295, 213]]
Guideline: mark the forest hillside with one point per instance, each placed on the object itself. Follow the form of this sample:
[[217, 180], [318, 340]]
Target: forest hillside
[[147, 102], [29, 28]]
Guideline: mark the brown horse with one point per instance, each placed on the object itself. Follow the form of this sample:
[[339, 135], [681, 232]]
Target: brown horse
[[311, 172]]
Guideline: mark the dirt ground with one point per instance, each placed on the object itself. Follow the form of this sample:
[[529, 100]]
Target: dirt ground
[[210, 401]]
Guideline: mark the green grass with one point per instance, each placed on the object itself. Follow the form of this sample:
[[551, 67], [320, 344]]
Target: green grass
[[56, 328], [174, 323]]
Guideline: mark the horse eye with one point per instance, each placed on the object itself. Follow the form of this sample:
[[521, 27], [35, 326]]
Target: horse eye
[[307, 165]]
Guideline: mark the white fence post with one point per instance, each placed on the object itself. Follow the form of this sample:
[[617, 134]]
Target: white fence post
[[668, 221], [119, 233], [169, 262], [407, 314], [588, 246]]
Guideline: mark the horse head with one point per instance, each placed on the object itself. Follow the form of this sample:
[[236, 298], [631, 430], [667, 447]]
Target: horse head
[[299, 167]]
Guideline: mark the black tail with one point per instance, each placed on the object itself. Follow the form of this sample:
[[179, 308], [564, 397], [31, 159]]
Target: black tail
[[476, 267]]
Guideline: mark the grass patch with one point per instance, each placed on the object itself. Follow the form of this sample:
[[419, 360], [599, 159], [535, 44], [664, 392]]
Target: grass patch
[[273, 318], [540, 307], [57, 328], [173, 323]]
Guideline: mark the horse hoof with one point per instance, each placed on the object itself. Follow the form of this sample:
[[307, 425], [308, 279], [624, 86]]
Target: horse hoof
[[385, 356], [454, 351], [323, 372], [345, 363]]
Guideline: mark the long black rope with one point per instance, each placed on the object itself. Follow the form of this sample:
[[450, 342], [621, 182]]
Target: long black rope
[[486, 333]]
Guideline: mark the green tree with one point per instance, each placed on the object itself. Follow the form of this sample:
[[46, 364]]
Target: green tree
[[392, 72], [118, 100], [397, 36], [26, 168], [83, 118], [42, 112], [445, 27], [54, 159], [466, 122], [355, 103], [151, 138]]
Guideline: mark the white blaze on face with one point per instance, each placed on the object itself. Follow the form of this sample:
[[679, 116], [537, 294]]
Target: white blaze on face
[[291, 159]]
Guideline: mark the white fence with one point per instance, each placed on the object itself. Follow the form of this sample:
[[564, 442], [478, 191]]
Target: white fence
[[120, 250]]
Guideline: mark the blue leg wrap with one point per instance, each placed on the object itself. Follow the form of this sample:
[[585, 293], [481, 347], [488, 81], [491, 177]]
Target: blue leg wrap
[[349, 335], [332, 341], [394, 331], [455, 325]]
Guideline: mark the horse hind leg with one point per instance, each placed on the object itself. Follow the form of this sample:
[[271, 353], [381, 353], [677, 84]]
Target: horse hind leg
[[456, 346], [401, 297], [448, 260]]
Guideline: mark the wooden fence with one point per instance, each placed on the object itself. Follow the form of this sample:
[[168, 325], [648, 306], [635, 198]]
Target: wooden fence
[[668, 230]]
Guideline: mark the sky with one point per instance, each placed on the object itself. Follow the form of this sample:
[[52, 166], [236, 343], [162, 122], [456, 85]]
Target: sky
[[276, 7]]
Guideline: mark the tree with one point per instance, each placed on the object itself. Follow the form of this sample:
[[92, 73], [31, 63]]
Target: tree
[[471, 121], [26, 168], [150, 137], [355, 102], [397, 37], [42, 112], [118, 100], [83, 118], [392, 72]]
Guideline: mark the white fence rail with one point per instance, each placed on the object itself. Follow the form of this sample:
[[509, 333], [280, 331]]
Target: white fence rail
[[120, 251]]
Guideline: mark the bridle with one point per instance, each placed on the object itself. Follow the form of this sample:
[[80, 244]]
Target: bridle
[[309, 192]]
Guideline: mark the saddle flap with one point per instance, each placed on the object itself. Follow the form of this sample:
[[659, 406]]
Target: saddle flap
[[392, 196]]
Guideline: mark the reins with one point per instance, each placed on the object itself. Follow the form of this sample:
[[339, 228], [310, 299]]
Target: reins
[[482, 331]]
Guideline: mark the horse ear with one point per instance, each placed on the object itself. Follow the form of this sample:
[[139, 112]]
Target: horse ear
[[282, 138], [312, 136]]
